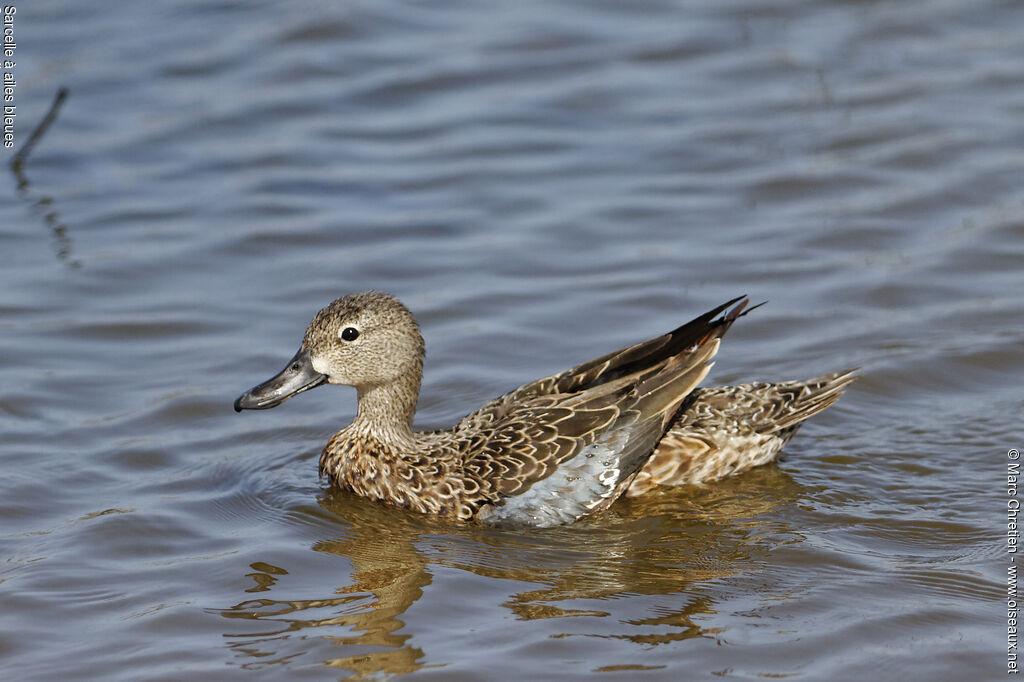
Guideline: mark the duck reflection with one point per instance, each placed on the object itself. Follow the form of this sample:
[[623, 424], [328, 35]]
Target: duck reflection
[[667, 544]]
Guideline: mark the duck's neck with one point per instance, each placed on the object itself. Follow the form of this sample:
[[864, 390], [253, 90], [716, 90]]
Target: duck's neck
[[385, 413]]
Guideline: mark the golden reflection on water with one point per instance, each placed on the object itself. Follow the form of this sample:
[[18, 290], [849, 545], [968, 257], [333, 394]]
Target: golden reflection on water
[[668, 543]]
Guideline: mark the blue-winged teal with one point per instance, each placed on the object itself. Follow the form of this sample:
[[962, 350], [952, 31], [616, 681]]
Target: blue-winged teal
[[549, 452]]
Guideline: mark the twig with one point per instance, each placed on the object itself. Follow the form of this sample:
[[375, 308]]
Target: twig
[[18, 161], [45, 204]]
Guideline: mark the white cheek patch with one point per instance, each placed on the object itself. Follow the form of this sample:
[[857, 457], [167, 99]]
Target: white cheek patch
[[333, 377], [319, 365]]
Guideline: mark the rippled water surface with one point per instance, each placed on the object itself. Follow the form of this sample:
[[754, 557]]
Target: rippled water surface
[[541, 183]]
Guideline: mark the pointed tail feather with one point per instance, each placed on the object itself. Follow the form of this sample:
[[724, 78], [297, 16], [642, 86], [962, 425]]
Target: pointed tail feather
[[809, 397]]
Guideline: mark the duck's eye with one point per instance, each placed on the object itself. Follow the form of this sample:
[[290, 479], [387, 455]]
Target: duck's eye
[[350, 333]]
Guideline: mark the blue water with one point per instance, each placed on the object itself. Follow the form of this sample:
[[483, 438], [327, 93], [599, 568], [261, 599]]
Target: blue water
[[541, 183]]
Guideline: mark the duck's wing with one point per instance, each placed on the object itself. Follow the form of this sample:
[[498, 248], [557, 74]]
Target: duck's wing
[[727, 430], [566, 446], [634, 359]]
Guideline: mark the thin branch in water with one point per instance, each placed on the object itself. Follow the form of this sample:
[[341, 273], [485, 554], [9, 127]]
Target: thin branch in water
[[19, 159], [45, 204]]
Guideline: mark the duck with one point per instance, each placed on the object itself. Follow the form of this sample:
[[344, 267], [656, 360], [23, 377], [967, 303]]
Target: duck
[[554, 450]]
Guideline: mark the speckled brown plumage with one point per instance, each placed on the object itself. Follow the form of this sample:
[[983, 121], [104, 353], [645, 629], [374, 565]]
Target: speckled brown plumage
[[726, 430], [553, 450]]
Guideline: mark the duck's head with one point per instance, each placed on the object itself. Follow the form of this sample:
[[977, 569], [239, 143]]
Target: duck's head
[[362, 340]]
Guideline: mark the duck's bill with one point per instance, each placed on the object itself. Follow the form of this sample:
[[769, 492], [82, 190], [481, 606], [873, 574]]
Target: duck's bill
[[297, 376]]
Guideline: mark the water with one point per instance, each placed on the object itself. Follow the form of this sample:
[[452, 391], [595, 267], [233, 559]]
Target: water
[[541, 183]]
